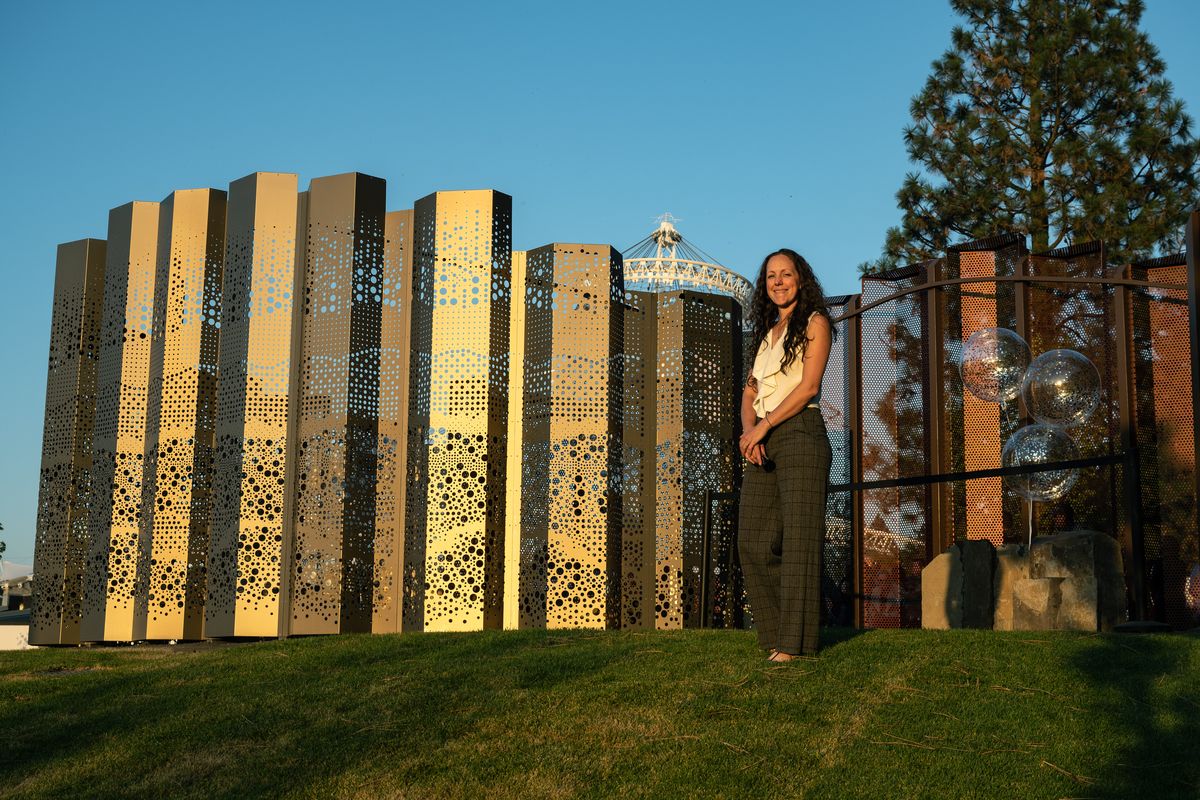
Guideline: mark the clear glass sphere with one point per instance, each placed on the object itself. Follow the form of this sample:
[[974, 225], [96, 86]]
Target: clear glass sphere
[[1040, 444], [1061, 387], [1191, 590], [993, 363]]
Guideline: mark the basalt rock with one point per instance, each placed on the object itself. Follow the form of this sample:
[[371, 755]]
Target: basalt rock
[[941, 591], [978, 564], [1011, 566], [1087, 567], [1072, 581]]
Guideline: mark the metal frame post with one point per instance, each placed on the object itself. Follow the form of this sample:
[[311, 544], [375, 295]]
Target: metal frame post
[[706, 560], [1131, 521], [855, 420], [1021, 312], [936, 542]]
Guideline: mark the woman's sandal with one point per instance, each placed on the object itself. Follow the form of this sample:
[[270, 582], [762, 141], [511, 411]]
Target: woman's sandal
[[781, 658]]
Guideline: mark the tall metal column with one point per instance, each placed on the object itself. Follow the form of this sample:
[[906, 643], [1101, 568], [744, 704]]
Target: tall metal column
[[333, 564], [458, 411], [392, 450], [122, 389], [60, 552], [571, 438], [251, 529]]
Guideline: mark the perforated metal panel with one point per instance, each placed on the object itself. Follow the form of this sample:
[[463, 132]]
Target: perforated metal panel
[[572, 388], [1167, 456], [1084, 313], [333, 555], [393, 419], [699, 375], [837, 572], [1081, 317], [973, 431], [894, 444], [515, 567], [638, 439], [112, 581], [727, 604], [252, 498], [398, 398], [60, 548], [177, 492], [458, 411]]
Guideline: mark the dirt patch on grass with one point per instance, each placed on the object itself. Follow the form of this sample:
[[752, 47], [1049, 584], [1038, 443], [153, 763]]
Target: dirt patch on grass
[[56, 672]]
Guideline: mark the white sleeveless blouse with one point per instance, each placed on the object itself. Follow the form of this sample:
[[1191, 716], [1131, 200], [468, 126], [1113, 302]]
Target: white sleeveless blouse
[[774, 384]]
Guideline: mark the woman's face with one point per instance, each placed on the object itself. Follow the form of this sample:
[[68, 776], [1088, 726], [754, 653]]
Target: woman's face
[[783, 284]]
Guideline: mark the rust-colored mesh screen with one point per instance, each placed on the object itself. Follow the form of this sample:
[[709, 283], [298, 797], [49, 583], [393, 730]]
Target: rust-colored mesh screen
[[1081, 317], [973, 430], [902, 394], [837, 573], [1166, 453], [893, 445]]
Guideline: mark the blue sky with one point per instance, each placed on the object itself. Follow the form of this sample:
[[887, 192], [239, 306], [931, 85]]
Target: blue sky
[[778, 124]]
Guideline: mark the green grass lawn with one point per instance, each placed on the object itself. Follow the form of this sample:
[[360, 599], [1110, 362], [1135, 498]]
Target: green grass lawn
[[879, 714]]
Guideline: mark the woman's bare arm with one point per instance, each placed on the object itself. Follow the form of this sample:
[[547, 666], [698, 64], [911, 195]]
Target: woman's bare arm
[[752, 453], [749, 392]]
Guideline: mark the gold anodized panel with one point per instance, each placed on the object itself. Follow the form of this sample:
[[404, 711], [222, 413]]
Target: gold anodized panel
[[458, 412], [512, 505], [357, 445], [571, 509], [392, 448], [251, 521], [176, 495], [112, 582], [333, 564], [60, 549]]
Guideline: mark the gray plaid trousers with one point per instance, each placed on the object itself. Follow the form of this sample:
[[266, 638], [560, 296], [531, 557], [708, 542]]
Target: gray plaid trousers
[[781, 530]]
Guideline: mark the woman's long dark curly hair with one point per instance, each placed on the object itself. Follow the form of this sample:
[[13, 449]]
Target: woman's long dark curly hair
[[810, 298]]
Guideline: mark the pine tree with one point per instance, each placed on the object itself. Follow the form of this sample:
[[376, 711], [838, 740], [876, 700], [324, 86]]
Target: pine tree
[[1050, 118]]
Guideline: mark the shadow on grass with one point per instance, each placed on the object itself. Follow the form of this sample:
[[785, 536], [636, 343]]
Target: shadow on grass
[[832, 637], [298, 712], [1147, 689]]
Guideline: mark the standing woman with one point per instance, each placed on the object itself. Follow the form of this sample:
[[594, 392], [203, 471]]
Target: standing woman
[[781, 527]]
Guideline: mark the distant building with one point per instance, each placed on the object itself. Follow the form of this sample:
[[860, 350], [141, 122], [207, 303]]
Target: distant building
[[16, 589]]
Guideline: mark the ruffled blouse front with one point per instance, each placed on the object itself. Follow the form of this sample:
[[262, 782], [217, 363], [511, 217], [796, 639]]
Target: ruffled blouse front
[[775, 383]]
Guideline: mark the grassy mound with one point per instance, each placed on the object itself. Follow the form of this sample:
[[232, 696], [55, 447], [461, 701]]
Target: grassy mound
[[565, 714]]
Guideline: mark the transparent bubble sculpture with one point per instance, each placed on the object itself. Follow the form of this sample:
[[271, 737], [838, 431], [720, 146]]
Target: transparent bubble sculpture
[[1040, 444], [993, 363], [1191, 590], [1061, 387], [312, 568], [318, 570]]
